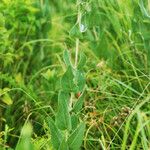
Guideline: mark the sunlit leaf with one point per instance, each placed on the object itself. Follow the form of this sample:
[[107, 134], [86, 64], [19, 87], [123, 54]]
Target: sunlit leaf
[[67, 80], [79, 103], [67, 59], [7, 99], [76, 138], [56, 136], [63, 120], [25, 139]]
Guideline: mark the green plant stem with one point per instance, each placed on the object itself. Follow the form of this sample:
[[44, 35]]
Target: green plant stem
[[76, 52], [77, 39], [71, 101]]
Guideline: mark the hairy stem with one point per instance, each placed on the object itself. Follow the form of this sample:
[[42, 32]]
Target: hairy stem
[[76, 52], [77, 39]]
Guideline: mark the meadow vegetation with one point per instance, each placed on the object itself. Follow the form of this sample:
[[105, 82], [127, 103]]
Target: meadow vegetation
[[74, 74]]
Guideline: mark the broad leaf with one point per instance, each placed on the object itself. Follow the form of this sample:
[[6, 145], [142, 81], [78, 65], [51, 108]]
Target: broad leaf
[[67, 80], [79, 103], [63, 120], [82, 61], [56, 136], [25, 138], [74, 121], [7, 99], [79, 80], [75, 32], [63, 145], [67, 58], [76, 138]]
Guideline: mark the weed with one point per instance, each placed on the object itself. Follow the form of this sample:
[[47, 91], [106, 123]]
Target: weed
[[74, 74]]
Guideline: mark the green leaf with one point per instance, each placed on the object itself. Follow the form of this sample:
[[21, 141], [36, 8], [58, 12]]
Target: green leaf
[[49, 74], [63, 119], [76, 138], [63, 145], [82, 61], [75, 32], [93, 18], [67, 80], [56, 136], [7, 99], [78, 105], [67, 58], [25, 138], [74, 121], [141, 4], [2, 20], [79, 80]]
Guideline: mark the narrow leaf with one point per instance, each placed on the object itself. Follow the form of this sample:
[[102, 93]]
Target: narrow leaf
[[143, 9]]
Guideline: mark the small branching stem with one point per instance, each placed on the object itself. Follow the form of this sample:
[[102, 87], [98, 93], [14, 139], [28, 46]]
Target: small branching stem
[[41, 1], [77, 46], [77, 39], [71, 101], [76, 52]]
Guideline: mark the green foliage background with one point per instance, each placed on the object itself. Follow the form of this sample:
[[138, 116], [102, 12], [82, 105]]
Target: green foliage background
[[116, 42]]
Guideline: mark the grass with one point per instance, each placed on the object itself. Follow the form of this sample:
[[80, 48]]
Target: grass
[[116, 42]]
